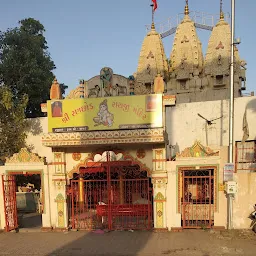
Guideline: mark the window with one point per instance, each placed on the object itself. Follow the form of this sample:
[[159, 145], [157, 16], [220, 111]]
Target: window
[[219, 81], [246, 156], [183, 84]]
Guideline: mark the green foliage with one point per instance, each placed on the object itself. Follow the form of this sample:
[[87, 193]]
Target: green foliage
[[12, 122], [63, 88], [25, 64]]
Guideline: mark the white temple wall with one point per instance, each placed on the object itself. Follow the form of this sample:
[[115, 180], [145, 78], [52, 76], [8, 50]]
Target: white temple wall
[[184, 126]]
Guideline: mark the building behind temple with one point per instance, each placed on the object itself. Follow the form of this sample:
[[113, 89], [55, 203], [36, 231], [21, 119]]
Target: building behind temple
[[187, 73]]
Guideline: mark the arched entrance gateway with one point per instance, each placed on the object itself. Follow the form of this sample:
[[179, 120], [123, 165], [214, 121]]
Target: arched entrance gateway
[[111, 191], [24, 200]]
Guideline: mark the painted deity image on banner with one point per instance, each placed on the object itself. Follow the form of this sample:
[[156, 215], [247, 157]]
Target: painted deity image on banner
[[151, 103], [56, 109], [104, 116]]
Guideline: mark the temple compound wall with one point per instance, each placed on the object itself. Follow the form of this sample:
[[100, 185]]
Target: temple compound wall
[[193, 145]]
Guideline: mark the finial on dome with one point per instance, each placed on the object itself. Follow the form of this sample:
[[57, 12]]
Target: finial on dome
[[186, 11], [221, 12], [153, 11]]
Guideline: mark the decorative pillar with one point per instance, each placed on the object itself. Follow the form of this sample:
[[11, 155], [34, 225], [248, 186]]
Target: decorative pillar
[[159, 180], [60, 200], [59, 193], [81, 190]]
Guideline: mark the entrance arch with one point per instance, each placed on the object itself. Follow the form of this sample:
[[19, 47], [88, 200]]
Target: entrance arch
[[110, 194], [22, 163]]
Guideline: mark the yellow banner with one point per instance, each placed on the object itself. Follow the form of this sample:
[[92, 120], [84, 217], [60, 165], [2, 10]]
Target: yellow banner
[[112, 113]]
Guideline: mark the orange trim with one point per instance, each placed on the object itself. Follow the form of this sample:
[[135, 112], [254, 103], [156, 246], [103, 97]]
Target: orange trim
[[57, 163], [15, 173], [159, 201], [169, 96], [93, 164], [159, 160], [23, 172]]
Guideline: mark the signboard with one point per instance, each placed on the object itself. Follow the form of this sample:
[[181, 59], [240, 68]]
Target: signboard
[[169, 100], [231, 187], [112, 113], [228, 172]]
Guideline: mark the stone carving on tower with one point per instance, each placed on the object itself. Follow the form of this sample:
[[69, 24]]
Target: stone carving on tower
[[79, 92], [217, 59], [106, 84], [152, 62], [186, 57]]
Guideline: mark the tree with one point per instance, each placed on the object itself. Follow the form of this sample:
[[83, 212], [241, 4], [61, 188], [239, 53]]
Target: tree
[[63, 88], [12, 122], [25, 64]]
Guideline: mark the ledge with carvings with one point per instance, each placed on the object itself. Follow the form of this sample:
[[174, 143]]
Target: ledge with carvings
[[197, 150], [155, 135], [24, 156]]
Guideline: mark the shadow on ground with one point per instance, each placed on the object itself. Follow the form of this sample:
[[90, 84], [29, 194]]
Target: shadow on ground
[[124, 243], [108, 243], [192, 242], [30, 220]]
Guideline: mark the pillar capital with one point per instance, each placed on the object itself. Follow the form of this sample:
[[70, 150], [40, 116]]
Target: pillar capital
[[160, 182], [159, 160]]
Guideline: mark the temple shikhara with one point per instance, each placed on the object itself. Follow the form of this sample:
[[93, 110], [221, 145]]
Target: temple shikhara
[[148, 151]]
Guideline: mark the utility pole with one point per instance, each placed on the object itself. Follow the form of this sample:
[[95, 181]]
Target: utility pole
[[231, 110]]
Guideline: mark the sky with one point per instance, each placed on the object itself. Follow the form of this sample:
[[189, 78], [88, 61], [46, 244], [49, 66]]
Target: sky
[[85, 35]]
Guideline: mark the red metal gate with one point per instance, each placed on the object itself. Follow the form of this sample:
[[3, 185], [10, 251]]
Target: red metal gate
[[198, 198], [113, 196], [10, 204]]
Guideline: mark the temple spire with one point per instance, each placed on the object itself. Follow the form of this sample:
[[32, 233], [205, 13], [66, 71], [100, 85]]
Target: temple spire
[[221, 11], [186, 11]]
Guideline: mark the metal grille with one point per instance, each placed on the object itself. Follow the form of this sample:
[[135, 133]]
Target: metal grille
[[198, 199], [115, 198], [10, 205], [246, 156]]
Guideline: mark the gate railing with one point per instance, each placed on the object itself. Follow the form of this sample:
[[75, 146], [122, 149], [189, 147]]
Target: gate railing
[[198, 199], [10, 204], [245, 160], [111, 199]]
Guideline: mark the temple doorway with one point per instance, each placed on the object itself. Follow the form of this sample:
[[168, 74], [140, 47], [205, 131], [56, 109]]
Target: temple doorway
[[29, 198], [23, 200], [113, 195], [197, 198]]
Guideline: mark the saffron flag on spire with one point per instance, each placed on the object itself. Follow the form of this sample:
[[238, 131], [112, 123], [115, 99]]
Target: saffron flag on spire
[[154, 4]]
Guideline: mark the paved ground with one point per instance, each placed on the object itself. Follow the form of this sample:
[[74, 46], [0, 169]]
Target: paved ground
[[195, 242]]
